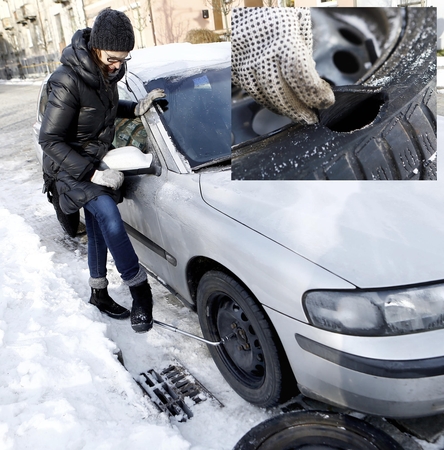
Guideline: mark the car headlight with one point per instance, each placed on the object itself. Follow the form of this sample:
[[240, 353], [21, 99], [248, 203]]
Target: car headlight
[[377, 312]]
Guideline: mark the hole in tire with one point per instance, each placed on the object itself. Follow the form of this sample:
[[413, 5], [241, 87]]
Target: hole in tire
[[346, 62], [350, 36], [351, 118], [331, 83]]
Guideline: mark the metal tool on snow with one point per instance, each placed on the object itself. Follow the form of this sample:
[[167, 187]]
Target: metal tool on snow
[[193, 336]]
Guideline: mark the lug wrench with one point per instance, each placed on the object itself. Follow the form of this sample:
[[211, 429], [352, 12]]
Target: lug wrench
[[193, 336]]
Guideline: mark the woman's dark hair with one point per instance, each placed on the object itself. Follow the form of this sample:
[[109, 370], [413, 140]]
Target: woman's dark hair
[[95, 53]]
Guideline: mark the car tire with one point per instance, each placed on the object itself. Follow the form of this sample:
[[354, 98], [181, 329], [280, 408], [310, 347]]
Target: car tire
[[250, 360], [382, 128], [316, 430]]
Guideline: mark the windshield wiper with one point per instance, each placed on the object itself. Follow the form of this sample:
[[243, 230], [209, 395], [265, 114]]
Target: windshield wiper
[[214, 162]]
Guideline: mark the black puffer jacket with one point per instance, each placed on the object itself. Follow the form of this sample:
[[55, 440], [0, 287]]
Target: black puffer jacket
[[78, 125]]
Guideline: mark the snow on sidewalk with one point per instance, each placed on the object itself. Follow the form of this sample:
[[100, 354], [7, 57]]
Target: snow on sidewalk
[[61, 386]]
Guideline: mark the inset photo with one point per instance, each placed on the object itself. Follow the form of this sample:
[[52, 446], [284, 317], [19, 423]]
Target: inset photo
[[334, 93]]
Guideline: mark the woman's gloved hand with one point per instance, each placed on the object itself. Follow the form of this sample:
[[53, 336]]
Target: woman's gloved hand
[[109, 177], [145, 104], [272, 61]]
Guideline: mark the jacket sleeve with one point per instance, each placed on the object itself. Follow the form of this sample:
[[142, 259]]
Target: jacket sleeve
[[125, 109], [60, 118]]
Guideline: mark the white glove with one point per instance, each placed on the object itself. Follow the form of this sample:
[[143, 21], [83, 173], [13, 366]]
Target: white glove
[[109, 177], [272, 61], [145, 104]]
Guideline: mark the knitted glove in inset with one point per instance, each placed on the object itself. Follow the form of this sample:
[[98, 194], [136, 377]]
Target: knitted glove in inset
[[272, 61]]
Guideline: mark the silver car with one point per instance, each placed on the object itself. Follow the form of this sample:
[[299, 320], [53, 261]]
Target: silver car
[[332, 288]]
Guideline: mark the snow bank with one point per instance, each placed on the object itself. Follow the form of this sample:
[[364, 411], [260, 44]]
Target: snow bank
[[61, 385]]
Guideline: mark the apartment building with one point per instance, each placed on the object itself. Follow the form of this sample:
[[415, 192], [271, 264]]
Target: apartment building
[[33, 32]]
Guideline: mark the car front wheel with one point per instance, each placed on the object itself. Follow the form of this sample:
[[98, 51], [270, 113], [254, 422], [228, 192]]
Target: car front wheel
[[249, 357]]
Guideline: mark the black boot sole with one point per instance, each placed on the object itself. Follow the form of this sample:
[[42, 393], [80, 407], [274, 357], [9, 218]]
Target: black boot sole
[[142, 327], [120, 316]]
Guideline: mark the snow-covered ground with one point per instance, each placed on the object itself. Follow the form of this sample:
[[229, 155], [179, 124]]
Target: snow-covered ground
[[61, 384]]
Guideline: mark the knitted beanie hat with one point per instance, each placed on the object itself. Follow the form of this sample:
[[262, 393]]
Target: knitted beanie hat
[[112, 30]]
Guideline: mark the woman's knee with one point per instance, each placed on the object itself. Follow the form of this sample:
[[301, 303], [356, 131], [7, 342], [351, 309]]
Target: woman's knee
[[107, 214]]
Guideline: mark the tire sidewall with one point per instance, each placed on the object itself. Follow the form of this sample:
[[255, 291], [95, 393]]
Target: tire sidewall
[[212, 282], [316, 428]]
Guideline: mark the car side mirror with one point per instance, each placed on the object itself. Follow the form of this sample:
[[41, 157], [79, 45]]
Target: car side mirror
[[131, 161]]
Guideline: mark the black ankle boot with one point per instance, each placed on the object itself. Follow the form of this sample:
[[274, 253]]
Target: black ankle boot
[[142, 310], [101, 299]]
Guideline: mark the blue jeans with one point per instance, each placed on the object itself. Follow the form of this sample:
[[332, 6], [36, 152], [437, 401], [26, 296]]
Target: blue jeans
[[105, 230]]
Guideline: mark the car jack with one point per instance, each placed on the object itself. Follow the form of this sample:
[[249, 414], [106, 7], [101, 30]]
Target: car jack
[[193, 336]]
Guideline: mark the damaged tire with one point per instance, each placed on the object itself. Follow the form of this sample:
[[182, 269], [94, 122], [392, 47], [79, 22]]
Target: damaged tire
[[251, 360], [316, 430], [382, 125]]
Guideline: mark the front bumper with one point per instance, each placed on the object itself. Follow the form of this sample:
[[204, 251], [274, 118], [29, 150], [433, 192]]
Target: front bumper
[[393, 376]]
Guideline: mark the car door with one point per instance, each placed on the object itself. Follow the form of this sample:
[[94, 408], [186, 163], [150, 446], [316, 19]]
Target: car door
[[138, 207]]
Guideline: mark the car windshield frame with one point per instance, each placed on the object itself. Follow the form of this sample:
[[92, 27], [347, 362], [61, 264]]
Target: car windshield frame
[[196, 113]]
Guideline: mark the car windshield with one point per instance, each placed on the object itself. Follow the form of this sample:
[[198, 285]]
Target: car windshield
[[197, 113]]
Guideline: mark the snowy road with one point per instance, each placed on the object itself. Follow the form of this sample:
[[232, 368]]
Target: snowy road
[[61, 385]]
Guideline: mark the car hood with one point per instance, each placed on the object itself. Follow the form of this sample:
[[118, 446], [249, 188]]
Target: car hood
[[372, 234]]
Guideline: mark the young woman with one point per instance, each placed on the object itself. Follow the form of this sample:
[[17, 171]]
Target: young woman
[[77, 131]]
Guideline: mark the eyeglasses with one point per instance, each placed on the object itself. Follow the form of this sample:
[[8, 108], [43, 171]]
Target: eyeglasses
[[114, 60]]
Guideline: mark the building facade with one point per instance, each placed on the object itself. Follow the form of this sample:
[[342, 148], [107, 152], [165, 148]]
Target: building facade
[[33, 32]]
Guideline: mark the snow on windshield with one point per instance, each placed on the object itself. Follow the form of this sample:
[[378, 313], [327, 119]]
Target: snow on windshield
[[173, 59]]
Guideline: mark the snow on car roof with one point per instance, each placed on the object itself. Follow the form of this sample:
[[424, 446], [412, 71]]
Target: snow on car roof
[[172, 59]]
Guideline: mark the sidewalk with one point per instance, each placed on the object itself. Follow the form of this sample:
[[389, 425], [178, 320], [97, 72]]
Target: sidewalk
[[33, 80]]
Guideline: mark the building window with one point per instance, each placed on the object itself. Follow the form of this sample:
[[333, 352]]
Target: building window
[[61, 34], [72, 20], [47, 34], [29, 37]]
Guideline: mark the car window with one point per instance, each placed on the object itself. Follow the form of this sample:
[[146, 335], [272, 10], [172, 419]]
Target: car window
[[197, 113], [130, 132], [123, 93], [43, 102]]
